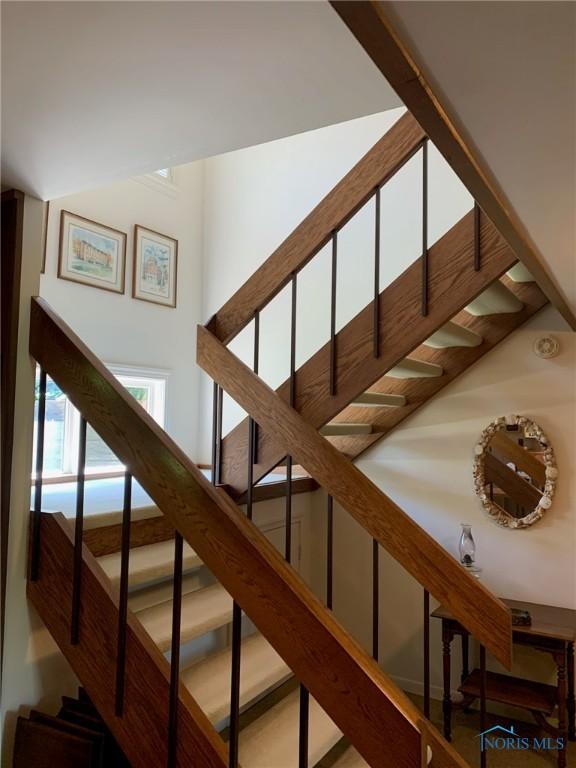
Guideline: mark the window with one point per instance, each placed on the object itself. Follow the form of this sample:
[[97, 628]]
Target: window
[[62, 425], [163, 180]]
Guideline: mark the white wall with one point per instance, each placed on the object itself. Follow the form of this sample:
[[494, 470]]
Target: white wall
[[426, 467], [120, 329], [255, 197]]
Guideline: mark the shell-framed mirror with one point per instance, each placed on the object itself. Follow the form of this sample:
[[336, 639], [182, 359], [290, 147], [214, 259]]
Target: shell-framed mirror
[[515, 471]]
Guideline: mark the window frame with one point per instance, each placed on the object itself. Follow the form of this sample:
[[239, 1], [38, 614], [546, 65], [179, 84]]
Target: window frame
[[155, 379]]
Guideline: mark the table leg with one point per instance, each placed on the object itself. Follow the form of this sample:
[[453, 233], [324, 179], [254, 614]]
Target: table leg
[[465, 657], [560, 658], [447, 637], [571, 699]]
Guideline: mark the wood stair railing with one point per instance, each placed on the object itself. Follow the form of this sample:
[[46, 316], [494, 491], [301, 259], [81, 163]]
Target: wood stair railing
[[453, 283], [486, 617], [371, 711], [385, 158]]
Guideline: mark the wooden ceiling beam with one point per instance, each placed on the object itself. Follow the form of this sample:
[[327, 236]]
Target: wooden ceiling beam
[[371, 26]]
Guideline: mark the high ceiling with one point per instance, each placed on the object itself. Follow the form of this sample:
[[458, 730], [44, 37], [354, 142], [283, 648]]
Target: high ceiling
[[507, 72], [98, 91]]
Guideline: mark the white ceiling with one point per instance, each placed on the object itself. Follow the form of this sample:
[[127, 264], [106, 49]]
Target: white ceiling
[[507, 71], [98, 91]]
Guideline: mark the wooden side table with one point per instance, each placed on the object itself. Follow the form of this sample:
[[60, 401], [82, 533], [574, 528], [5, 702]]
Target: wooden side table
[[553, 630]]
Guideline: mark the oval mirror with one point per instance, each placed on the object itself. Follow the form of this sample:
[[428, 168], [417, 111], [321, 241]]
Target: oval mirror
[[515, 471]]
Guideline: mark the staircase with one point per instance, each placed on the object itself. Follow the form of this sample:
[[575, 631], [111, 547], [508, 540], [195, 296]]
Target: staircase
[[197, 642]]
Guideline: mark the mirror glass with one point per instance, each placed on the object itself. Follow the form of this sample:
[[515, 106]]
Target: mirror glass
[[515, 471]]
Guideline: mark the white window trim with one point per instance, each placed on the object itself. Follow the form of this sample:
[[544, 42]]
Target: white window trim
[[158, 377], [167, 186]]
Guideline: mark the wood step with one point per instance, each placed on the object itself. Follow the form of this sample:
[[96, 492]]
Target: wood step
[[203, 610], [148, 597], [513, 691], [379, 400], [148, 563], [495, 300], [209, 680], [39, 745], [453, 335], [350, 759], [415, 369], [519, 274], [345, 428], [272, 740]]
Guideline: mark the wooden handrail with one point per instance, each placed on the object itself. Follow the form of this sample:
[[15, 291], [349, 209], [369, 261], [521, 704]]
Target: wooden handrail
[[394, 149], [142, 730], [453, 284], [365, 704], [523, 459], [519, 491], [486, 617], [371, 26]]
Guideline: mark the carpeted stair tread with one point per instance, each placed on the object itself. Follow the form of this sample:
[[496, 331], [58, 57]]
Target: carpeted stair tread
[[209, 680], [272, 740]]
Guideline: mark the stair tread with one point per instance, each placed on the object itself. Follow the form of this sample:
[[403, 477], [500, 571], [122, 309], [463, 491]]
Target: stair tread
[[350, 759], [272, 740], [495, 300], [149, 562], [379, 400], [346, 428], [453, 335], [203, 610], [409, 368], [209, 680], [519, 274]]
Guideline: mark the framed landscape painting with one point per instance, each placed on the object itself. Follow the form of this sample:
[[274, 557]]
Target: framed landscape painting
[[91, 253], [155, 267]]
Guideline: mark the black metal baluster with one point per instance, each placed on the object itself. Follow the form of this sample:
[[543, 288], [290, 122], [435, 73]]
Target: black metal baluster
[[255, 368], [376, 330], [37, 515], [234, 729], [427, 654], [252, 437], [175, 652], [330, 553], [304, 721], [123, 600], [289, 463], [477, 254], [375, 600], [215, 399], [425, 285], [482, 701], [78, 535], [333, 314]]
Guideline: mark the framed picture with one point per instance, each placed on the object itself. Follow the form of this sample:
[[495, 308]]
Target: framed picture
[[155, 267], [91, 253]]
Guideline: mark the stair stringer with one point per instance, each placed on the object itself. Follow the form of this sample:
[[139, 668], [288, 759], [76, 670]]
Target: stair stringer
[[453, 284], [142, 730]]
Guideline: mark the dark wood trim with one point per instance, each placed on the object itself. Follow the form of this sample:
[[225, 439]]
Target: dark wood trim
[[142, 730], [122, 289], [375, 168], [371, 25], [277, 490], [486, 617], [453, 284], [355, 693], [108, 538], [12, 231], [134, 255]]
